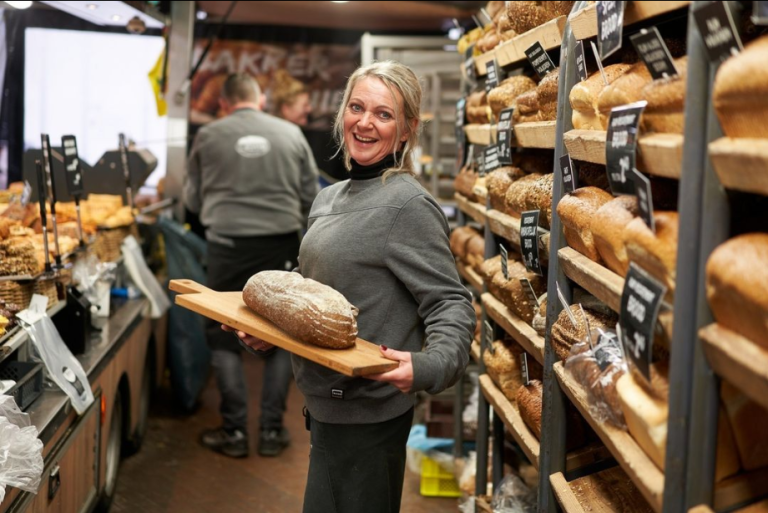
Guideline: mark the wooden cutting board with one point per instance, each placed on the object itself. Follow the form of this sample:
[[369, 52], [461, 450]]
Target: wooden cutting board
[[228, 308]]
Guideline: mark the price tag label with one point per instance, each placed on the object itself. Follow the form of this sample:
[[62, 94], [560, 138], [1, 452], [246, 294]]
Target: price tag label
[[491, 158], [539, 59], [489, 337], [504, 136], [529, 240], [640, 303], [524, 368], [610, 27], [469, 65], [581, 61], [504, 261], [621, 146], [480, 163], [644, 198], [721, 39], [760, 13], [654, 53], [72, 166], [569, 177], [529, 292], [491, 75]]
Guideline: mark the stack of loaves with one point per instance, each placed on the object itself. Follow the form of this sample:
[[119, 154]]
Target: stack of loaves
[[468, 246]]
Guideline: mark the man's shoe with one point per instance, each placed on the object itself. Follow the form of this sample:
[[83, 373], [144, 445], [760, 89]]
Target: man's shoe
[[273, 441], [233, 444]]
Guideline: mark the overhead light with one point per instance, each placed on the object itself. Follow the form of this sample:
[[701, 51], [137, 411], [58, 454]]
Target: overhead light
[[20, 5], [91, 7], [454, 33], [201, 15], [116, 17]]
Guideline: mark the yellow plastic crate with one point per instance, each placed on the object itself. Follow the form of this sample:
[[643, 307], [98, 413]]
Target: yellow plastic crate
[[436, 482]]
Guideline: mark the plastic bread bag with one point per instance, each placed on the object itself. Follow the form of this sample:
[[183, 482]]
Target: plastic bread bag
[[48, 347], [469, 415], [143, 278], [597, 364], [21, 451], [513, 496]]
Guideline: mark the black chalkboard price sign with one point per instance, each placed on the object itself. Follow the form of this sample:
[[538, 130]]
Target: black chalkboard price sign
[[621, 146], [581, 62], [74, 177], [610, 27], [492, 78], [715, 23], [529, 241], [540, 60], [504, 136], [640, 303], [570, 180], [654, 53]]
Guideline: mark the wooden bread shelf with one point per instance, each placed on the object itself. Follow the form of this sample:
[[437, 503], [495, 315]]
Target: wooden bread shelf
[[508, 227], [478, 134], [584, 21], [549, 34], [539, 134], [638, 466], [603, 283], [604, 492], [657, 154], [474, 351], [518, 329], [471, 276], [510, 415], [474, 210], [740, 489], [481, 192], [738, 360], [741, 164]]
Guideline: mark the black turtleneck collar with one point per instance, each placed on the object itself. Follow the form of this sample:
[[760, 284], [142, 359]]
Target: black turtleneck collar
[[359, 172]]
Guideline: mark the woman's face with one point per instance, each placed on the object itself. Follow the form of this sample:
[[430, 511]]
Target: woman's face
[[298, 111], [370, 127]]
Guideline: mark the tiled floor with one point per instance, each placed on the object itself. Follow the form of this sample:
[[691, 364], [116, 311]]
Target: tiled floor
[[172, 473]]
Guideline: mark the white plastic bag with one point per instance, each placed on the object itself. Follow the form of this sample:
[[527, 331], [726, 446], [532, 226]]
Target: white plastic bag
[[512, 496], [62, 367], [21, 451], [143, 278], [469, 415]]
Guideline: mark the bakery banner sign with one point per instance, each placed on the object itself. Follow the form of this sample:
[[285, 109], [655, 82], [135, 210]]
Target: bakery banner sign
[[322, 68]]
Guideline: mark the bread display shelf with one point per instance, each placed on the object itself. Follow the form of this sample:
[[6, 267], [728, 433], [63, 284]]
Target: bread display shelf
[[508, 227], [638, 466], [474, 350], [228, 308], [21, 277], [539, 134], [549, 34], [481, 193], [739, 361], [657, 154], [603, 492], [603, 283], [478, 134], [510, 415], [471, 276], [518, 329], [584, 21], [474, 210], [741, 164]]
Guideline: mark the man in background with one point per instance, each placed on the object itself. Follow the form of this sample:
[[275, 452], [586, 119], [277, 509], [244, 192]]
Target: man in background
[[251, 179]]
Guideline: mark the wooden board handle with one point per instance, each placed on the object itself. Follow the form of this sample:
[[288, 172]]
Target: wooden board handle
[[187, 287]]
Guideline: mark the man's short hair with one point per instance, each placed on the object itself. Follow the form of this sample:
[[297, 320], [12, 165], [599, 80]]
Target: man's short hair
[[240, 87]]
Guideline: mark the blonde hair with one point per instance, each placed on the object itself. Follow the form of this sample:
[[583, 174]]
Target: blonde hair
[[398, 77], [285, 90]]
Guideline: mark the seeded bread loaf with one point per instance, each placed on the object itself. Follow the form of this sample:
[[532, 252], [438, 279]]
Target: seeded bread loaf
[[565, 334], [576, 212], [546, 93], [530, 401], [498, 183], [303, 308]]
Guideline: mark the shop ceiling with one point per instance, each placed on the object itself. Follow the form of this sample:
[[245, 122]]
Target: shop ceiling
[[366, 16]]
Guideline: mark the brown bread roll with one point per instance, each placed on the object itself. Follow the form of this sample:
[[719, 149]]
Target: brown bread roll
[[607, 228], [576, 212], [303, 308]]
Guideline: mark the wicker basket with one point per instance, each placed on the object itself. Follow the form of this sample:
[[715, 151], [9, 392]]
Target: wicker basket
[[48, 289], [17, 293], [108, 242]]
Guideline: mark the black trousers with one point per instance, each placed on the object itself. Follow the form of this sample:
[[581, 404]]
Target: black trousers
[[229, 267], [357, 468]]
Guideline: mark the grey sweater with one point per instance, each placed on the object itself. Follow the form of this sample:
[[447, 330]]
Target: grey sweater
[[251, 174], [385, 247]]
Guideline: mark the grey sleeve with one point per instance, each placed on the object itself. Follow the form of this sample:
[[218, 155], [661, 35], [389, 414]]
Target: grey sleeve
[[192, 194], [417, 252], [310, 185]]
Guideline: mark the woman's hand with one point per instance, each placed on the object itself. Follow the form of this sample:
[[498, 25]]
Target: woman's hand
[[249, 340], [402, 377]]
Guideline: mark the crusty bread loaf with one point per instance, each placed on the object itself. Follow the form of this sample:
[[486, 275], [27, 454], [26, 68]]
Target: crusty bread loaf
[[583, 97], [479, 115], [515, 296], [539, 322], [740, 98], [490, 39], [303, 308], [528, 103], [748, 421], [489, 268], [555, 9], [546, 93], [524, 16], [656, 253], [475, 251], [504, 28], [576, 212], [503, 363], [565, 334], [477, 99], [532, 192], [530, 401], [515, 200], [666, 100], [626, 89], [458, 241], [505, 95], [737, 279], [498, 183], [465, 182], [607, 228]]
